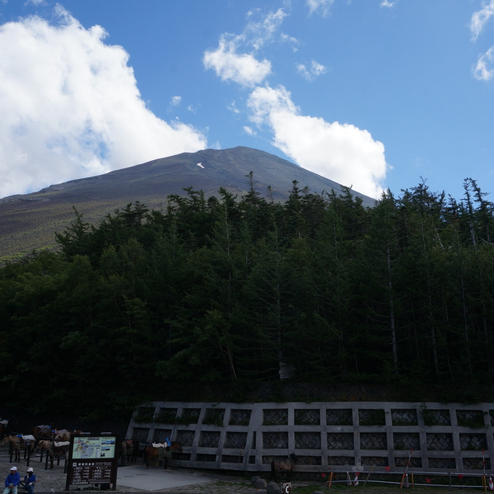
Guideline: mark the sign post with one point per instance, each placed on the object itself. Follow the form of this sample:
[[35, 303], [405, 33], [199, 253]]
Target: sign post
[[92, 461]]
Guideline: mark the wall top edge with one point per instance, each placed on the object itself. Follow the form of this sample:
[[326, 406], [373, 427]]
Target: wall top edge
[[319, 404]]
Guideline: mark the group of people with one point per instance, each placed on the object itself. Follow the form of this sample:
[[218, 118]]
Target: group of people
[[13, 481]]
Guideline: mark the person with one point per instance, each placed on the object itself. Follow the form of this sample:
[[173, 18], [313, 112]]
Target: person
[[29, 481], [167, 454], [12, 481]]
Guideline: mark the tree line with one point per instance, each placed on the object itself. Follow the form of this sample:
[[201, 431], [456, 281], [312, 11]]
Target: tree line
[[209, 298]]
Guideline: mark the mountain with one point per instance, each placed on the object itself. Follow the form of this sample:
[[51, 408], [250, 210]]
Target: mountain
[[29, 221]]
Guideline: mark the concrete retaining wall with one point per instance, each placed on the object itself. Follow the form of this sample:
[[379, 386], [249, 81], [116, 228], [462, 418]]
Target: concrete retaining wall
[[335, 436]]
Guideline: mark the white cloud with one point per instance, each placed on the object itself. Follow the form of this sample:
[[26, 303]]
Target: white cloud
[[315, 69], [259, 32], [319, 6], [36, 3], [480, 18], [233, 107], [242, 68], [484, 68], [249, 130], [290, 39], [70, 107], [303, 71], [340, 152], [175, 100], [235, 57], [387, 4]]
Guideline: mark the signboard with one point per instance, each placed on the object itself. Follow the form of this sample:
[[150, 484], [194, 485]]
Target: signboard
[[90, 472], [93, 447], [92, 461]]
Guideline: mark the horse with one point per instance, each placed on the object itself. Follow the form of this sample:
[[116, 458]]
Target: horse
[[43, 446], [62, 435], [157, 452], [52, 449], [28, 444], [151, 456], [283, 468], [129, 451], [14, 443], [43, 432]]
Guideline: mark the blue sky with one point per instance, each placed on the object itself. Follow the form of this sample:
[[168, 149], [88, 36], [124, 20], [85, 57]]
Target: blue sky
[[369, 93]]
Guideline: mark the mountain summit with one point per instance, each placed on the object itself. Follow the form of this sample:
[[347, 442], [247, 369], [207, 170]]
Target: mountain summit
[[29, 221]]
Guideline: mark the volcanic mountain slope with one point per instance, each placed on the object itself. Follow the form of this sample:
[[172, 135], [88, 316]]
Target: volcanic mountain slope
[[30, 221]]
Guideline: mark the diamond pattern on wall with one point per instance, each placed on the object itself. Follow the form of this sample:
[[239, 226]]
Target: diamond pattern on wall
[[307, 417], [240, 417], [439, 441], [377, 461], [470, 418], [340, 440], [436, 417], [185, 438], [371, 417], [476, 464], [341, 460], [373, 440], [275, 440], [189, 416], [214, 416], [275, 416], [477, 442], [235, 440], [402, 461], [209, 439], [342, 416], [443, 463], [401, 416], [308, 440], [406, 440]]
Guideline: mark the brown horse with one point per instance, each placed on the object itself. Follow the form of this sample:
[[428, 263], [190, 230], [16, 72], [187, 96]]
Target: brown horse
[[153, 455], [282, 469], [52, 450], [62, 435], [28, 444], [42, 432], [129, 451], [14, 444]]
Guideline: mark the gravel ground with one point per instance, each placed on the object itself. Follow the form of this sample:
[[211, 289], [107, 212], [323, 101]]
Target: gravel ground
[[53, 481]]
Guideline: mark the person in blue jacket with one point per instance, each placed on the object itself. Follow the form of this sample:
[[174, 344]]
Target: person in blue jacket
[[12, 481], [29, 481]]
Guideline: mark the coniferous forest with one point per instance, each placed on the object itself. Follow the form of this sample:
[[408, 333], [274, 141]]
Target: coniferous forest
[[208, 298]]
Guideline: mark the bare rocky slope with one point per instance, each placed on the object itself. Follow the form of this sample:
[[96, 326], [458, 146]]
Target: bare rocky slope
[[30, 221]]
